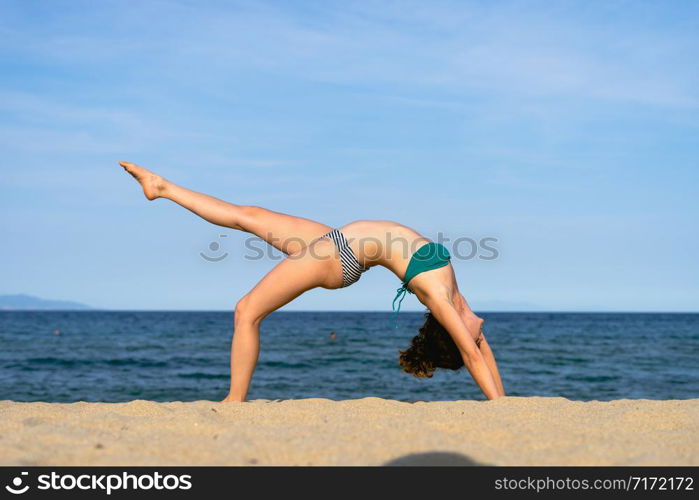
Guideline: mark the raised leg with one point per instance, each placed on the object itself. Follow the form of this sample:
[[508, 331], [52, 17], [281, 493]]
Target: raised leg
[[289, 279], [285, 232]]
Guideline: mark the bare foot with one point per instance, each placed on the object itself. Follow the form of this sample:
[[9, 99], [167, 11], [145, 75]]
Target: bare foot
[[153, 185], [229, 399]]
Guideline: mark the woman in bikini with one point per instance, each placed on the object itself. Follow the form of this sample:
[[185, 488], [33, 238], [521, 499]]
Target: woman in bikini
[[320, 256]]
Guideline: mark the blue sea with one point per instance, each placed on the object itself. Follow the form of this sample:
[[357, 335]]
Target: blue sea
[[184, 356]]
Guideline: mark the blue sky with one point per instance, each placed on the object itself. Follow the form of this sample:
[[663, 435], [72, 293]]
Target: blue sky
[[567, 130]]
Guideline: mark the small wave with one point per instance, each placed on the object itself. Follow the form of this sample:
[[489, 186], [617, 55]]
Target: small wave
[[286, 364], [141, 363], [592, 378], [53, 361], [67, 363], [563, 361], [204, 375]]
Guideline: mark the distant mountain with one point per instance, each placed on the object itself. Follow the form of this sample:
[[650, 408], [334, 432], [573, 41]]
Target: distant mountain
[[28, 303]]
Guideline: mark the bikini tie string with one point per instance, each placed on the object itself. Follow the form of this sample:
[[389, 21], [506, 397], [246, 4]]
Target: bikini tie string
[[400, 295]]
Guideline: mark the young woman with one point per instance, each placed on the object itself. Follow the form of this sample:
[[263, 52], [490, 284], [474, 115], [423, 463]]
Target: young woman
[[320, 256]]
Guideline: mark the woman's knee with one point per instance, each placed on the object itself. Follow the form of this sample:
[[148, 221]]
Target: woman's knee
[[246, 313]]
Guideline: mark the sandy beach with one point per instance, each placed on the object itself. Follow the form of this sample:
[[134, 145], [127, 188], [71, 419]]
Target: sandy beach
[[370, 431]]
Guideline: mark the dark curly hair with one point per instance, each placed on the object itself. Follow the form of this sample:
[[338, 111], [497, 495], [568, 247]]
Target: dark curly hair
[[432, 348]]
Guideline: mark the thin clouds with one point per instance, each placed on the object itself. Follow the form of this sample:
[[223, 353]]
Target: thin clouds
[[37, 123], [489, 51], [500, 61], [459, 47]]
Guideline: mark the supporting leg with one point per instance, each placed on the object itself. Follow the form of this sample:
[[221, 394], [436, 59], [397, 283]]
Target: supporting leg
[[289, 279]]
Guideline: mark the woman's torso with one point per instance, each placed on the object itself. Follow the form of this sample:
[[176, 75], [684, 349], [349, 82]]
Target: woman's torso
[[391, 245], [383, 243]]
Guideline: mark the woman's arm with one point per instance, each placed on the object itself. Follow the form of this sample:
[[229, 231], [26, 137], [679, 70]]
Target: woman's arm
[[474, 361], [492, 365]]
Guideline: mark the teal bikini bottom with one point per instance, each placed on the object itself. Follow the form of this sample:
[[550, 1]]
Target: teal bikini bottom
[[426, 258]]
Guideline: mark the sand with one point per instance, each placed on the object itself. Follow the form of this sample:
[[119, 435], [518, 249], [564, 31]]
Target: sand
[[370, 431]]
